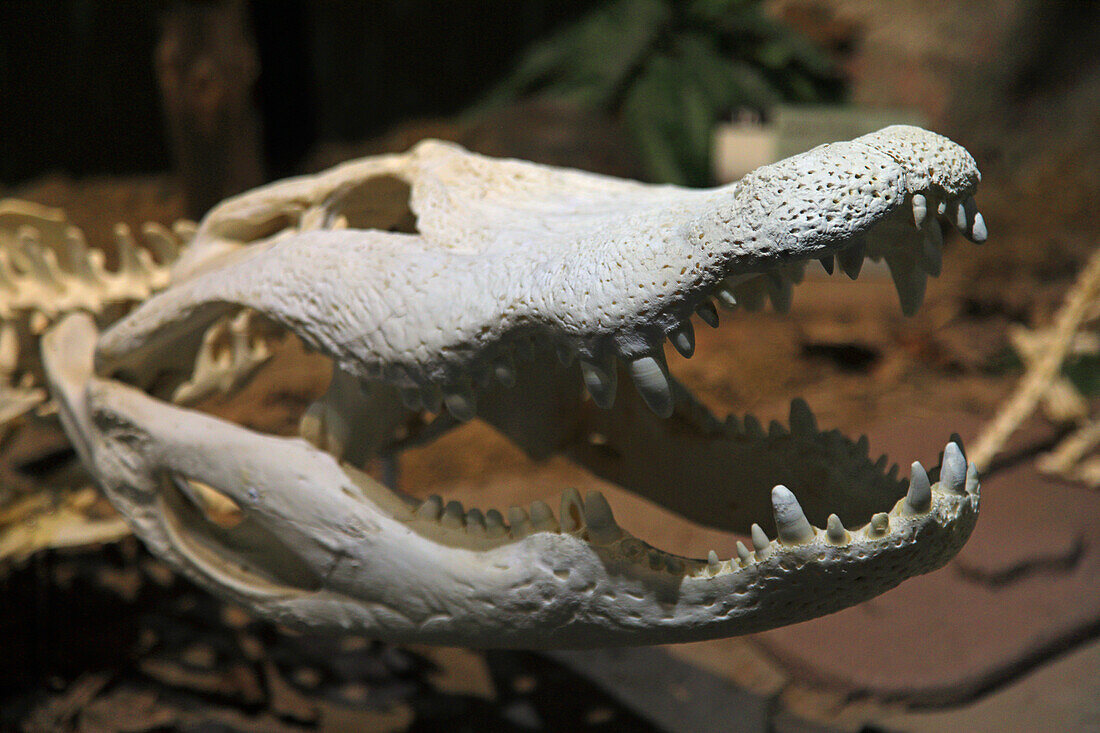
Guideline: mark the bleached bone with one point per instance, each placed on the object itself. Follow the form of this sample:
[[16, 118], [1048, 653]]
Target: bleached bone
[[528, 276]]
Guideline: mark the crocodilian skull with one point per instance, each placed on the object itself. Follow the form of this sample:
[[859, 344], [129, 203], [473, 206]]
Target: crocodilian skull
[[443, 282]]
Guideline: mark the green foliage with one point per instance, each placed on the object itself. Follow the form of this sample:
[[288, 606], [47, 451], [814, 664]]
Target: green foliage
[[671, 69]]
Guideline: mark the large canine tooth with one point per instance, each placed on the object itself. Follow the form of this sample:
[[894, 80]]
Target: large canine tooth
[[572, 511], [969, 221], [909, 281], [600, 380], [708, 313], [978, 232], [760, 542], [828, 262], [850, 259], [780, 292], [920, 209], [802, 420], [461, 403], [790, 520], [602, 529], [431, 509], [651, 380], [931, 256], [919, 497], [683, 339], [953, 469], [454, 517], [542, 517], [835, 531]]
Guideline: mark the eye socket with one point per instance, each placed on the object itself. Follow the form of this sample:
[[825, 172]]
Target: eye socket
[[377, 203]]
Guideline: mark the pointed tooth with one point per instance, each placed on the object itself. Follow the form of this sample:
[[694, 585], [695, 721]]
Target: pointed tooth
[[828, 263], [880, 464], [918, 499], [656, 561], [880, 524], [494, 524], [850, 258], [802, 418], [781, 293], [713, 564], [725, 297], [542, 517], [909, 280], [708, 313], [960, 217], [920, 209], [732, 426], [602, 529], [460, 402], [475, 522], [651, 380], [953, 469], [973, 481], [776, 429], [454, 517], [978, 232], [600, 381], [790, 520], [572, 511], [892, 474], [835, 531], [941, 208], [504, 370], [752, 294], [863, 445], [743, 554], [753, 428], [683, 339], [431, 509], [519, 521], [760, 542]]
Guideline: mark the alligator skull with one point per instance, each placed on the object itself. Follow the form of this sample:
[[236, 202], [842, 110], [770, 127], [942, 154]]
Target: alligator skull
[[442, 282]]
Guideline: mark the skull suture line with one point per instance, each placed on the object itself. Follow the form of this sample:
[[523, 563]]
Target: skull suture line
[[508, 264]]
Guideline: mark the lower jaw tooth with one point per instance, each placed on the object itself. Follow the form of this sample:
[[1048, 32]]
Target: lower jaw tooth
[[835, 531], [431, 509], [475, 522], [790, 520], [542, 517], [743, 554], [572, 511], [519, 521], [453, 515], [919, 497], [760, 542], [880, 524], [494, 524], [602, 529]]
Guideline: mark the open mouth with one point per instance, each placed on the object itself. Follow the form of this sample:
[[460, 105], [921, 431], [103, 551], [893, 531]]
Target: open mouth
[[539, 301]]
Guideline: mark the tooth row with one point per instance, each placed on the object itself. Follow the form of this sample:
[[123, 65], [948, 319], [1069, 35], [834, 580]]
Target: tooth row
[[909, 270], [592, 515], [793, 528]]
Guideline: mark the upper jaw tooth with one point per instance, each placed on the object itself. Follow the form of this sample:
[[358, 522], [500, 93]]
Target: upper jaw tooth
[[651, 378]]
